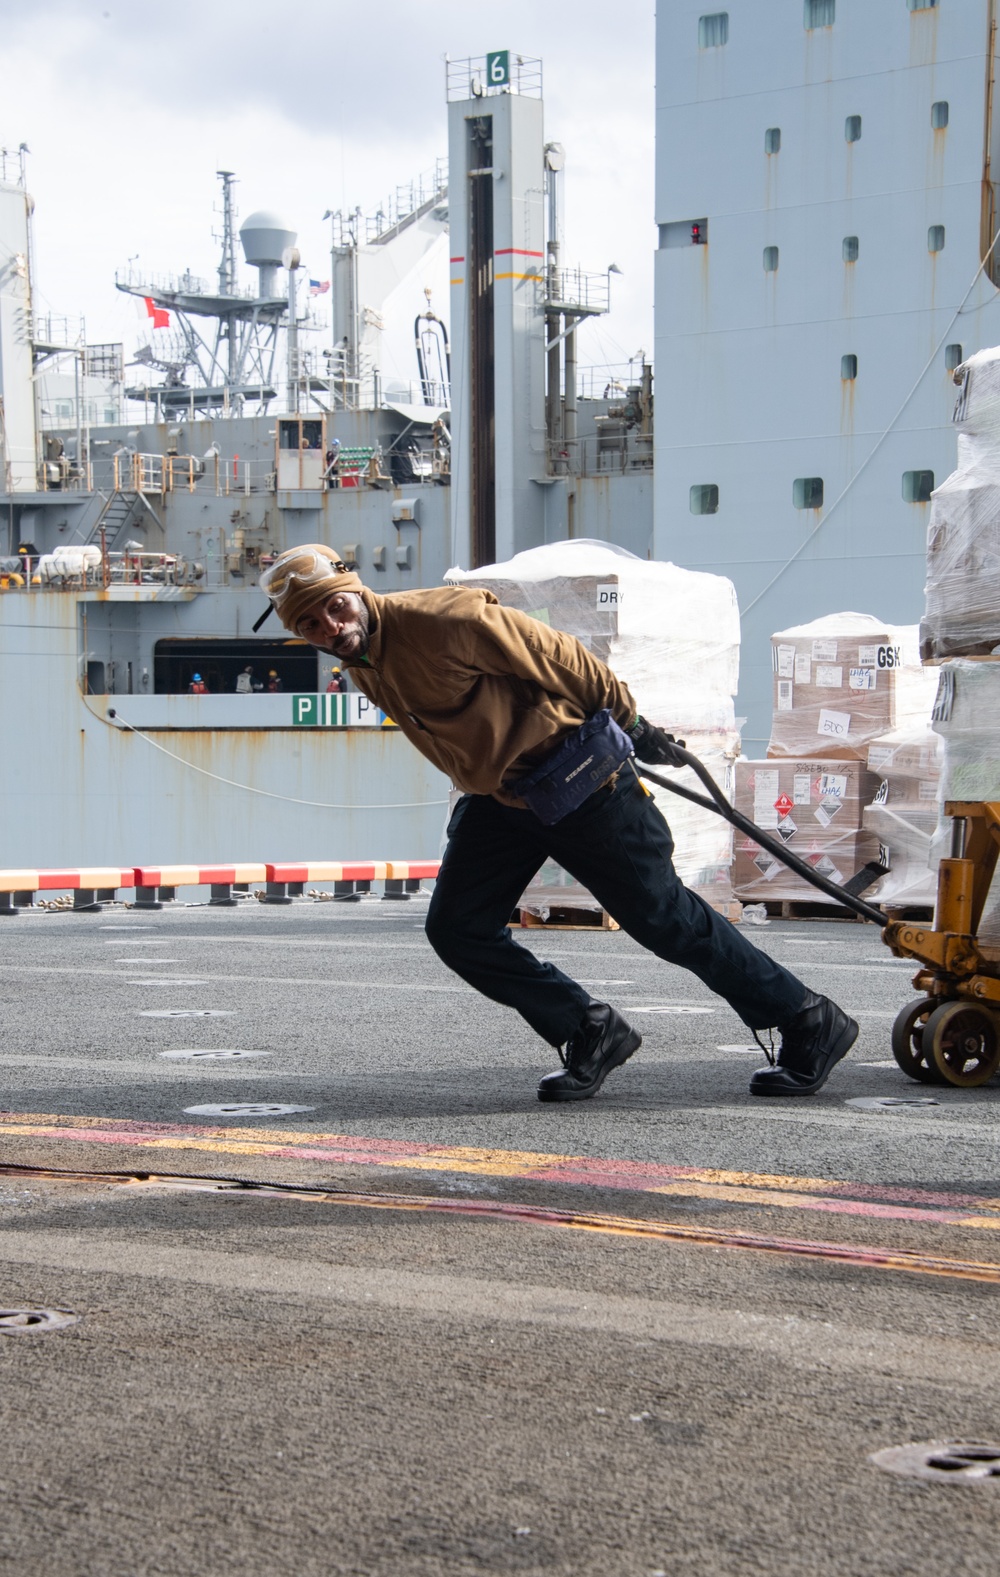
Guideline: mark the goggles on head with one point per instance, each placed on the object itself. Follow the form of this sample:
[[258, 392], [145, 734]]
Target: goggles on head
[[297, 569]]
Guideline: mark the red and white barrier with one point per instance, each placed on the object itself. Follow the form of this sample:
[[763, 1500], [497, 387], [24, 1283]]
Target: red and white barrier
[[157, 884], [90, 885]]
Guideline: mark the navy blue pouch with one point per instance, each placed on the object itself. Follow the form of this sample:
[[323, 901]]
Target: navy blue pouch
[[576, 769]]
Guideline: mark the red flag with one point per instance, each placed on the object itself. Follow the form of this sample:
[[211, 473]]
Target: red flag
[[159, 315]]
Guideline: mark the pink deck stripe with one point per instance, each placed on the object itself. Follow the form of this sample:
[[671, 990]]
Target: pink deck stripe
[[890, 1203]]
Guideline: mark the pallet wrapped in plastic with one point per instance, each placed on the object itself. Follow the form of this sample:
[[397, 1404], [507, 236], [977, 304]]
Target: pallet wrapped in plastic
[[673, 636], [962, 591], [840, 682], [967, 719], [815, 807], [904, 813]]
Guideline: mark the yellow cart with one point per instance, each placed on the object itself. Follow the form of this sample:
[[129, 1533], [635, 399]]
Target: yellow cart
[[951, 1034]]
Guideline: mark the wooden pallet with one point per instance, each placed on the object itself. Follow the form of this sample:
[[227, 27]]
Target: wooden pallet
[[803, 909], [915, 913], [567, 919], [570, 919]]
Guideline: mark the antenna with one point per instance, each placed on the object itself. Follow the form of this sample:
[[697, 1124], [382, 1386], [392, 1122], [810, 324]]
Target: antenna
[[227, 265]]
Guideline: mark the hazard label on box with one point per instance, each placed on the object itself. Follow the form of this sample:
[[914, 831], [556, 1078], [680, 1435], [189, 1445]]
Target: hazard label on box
[[783, 805]]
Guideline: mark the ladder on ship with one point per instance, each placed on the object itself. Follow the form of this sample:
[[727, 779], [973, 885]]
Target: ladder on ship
[[122, 512]]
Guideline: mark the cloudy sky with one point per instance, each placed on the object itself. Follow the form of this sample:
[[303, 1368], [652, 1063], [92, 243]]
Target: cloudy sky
[[129, 107]]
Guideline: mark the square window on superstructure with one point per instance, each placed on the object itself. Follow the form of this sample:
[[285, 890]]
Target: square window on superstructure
[[713, 30], [953, 357], [807, 492], [921, 5], [849, 367], [918, 486], [852, 128], [850, 249], [935, 238], [819, 13], [770, 259], [939, 114], [772, 139], [703, 499]]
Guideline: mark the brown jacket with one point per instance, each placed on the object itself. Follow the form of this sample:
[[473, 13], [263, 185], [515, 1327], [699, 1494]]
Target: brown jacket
[[483, 691]]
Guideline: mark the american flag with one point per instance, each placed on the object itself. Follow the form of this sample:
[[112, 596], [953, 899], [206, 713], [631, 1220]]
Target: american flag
[[318, 287]]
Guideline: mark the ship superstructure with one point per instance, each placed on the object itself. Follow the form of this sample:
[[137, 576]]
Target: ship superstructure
[[141, 541], [827, 217]]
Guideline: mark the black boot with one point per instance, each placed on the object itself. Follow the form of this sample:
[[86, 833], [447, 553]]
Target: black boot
[[812, 1043], [603, 1041]]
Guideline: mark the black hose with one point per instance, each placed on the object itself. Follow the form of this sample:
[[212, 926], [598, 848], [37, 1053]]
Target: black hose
[[719, 803]]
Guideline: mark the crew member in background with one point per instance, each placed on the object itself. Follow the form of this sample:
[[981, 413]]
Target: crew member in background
[[197, 685], [338, 684], [29, 555], [274, 684], [244, 681], [491, 697]]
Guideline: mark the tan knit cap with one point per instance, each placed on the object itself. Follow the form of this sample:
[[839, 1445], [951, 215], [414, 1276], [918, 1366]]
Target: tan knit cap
[[298, 580]]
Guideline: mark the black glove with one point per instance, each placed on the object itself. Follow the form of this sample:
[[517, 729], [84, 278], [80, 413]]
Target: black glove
[[654, 746]]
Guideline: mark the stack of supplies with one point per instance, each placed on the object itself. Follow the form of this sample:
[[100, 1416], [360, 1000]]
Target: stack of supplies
[[815, 807], [840, 682], [962, 594], [904, 812]]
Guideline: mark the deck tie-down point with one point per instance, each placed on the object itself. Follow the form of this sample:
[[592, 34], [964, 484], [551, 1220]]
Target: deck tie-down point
[[20, 1322], [943, 1461]]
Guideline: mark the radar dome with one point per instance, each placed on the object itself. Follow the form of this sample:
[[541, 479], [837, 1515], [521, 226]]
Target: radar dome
[[265, 237]]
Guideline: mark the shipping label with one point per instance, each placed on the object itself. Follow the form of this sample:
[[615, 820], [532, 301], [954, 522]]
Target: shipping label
[[803, 669], [862, 679], [784, 695], [826, 867], [784, 661], [880, 657], [801, 784], [824, 651], [833, 785], [834, 725], [829, 677]]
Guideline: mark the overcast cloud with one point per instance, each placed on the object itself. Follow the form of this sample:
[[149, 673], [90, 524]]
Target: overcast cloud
[[129, 110]]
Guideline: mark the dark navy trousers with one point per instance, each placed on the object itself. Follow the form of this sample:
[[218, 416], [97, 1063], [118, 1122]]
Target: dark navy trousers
[[619, 846]]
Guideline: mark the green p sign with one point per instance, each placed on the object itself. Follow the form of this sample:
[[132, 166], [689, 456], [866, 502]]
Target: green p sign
[[498, 69]]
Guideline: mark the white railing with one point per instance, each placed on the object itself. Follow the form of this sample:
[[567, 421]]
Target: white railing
[[472, 78], [162, 474]]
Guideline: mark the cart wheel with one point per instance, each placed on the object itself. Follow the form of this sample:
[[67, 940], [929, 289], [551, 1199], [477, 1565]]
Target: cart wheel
[[908, 1042], [962, 1040]]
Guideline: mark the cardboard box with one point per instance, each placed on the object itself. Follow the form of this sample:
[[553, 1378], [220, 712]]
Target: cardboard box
[[842, 681], [834, 693], [962, 593], [815, 806]]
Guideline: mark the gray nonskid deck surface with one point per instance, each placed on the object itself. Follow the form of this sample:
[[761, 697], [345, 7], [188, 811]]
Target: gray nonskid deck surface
[[261, 1385], [363, 1022]]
